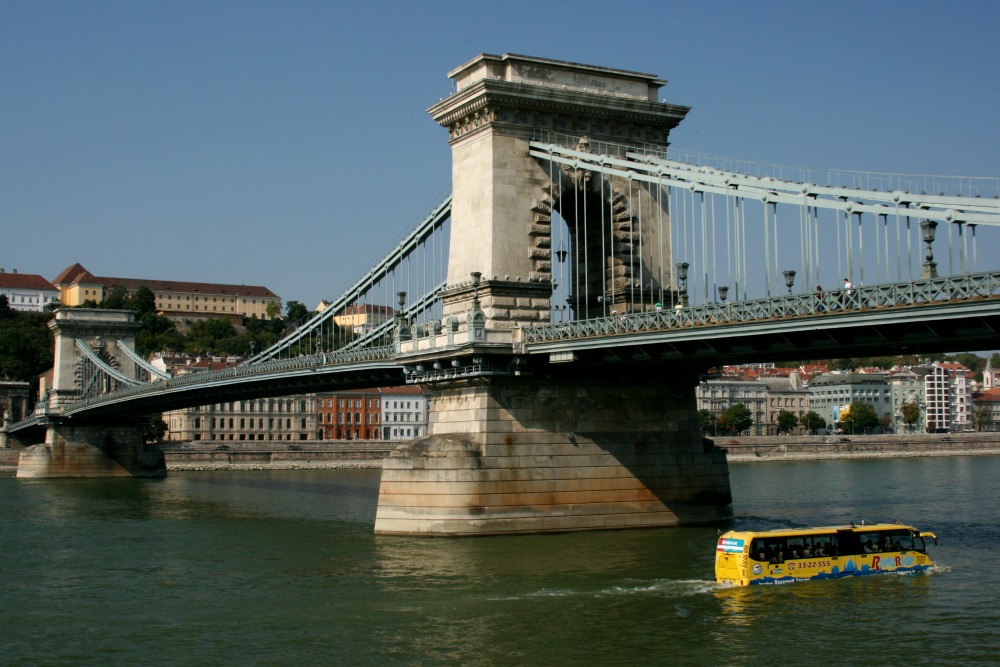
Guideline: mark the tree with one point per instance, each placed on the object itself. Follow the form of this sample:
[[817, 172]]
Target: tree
[[981, 416], [860, 418], [296, 311], [154, 430], [26, 345], [811, 421], [910, 413], [787, 421], [707, 422], [211, 336], [157, 333], [116, 299], [736, 419], [843, 365], [273, 310], [5, 309], [143, 301]]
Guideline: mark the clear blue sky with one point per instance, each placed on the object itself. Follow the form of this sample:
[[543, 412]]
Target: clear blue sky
[[287, 144]]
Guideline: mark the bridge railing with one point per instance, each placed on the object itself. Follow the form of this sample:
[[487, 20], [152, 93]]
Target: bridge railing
[[916, 293]]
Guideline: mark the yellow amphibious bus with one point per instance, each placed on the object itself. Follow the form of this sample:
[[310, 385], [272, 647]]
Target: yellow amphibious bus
[[783, 556]]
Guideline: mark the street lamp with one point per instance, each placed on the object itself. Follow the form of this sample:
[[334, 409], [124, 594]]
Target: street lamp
[[789, 280], [927, 228], [682, 275], [476, 275]]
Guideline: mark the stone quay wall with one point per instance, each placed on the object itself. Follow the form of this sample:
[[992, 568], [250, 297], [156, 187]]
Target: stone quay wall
[[796, 448]]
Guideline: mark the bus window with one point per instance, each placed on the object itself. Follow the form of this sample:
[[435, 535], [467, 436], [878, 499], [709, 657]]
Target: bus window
[[757, 550], [776, 550], [901, 540], [829, 545], [796, 547]]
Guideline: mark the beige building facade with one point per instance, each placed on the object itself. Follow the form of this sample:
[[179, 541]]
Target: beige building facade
[[174, 299]]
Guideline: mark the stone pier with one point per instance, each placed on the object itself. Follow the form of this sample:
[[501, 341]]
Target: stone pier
[[524, 455], [92, 451]]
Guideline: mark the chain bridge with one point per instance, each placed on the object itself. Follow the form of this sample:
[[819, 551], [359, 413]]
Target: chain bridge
[[562, 303]]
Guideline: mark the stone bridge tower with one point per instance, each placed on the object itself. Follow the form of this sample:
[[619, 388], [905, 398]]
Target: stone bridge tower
[[531, 446], [504, 200], [75, 449]]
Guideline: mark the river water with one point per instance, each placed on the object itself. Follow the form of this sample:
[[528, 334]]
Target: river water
[[282, 568]]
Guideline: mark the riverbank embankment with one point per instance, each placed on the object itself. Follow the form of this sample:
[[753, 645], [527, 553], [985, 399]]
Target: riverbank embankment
[[798, 448], [258, 455], [757, 449]]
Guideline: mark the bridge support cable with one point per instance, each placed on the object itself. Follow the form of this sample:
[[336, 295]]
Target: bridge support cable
[[102, 367], [831, 210], [415, 265], [142, 363]]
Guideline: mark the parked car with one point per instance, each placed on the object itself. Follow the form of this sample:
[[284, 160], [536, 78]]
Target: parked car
[[295, 448], [222, 448]]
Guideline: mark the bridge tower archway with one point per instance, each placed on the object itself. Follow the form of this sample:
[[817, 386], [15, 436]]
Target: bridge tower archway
[[504, 199], [605, 257]]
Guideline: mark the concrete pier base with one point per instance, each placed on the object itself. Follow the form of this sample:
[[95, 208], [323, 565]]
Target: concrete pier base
[[523, 455], [92, 451]]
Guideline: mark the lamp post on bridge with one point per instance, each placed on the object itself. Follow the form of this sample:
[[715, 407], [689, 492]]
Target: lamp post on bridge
[[723, 293], [682, 275], [927, 229], [789, 280]]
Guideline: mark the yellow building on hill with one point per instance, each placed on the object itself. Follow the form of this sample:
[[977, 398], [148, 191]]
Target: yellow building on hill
[[174, 298]]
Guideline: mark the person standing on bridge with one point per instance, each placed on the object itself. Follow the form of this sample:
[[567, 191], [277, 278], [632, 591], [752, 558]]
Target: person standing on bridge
[[848, 291]]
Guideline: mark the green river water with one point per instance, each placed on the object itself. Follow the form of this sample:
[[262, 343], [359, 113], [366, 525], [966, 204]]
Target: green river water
[[282, 568]]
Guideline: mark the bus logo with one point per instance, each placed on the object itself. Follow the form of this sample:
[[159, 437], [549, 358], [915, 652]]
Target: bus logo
[[730, 545]]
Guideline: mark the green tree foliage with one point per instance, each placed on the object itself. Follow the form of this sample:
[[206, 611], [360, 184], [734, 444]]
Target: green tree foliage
[[910, 413], [273, 310], [736, 419], [26, 345], [843, 365], [861, 418], [296, 311], [5, 310], [967, 359], [811, 421], [143, 301], [154, 430], [211, 336], [116, 299], [706, 420], [157, 333], [787, 421]]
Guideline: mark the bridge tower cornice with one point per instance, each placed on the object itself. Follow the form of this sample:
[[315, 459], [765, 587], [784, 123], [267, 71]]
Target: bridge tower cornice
[[517, 95]]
